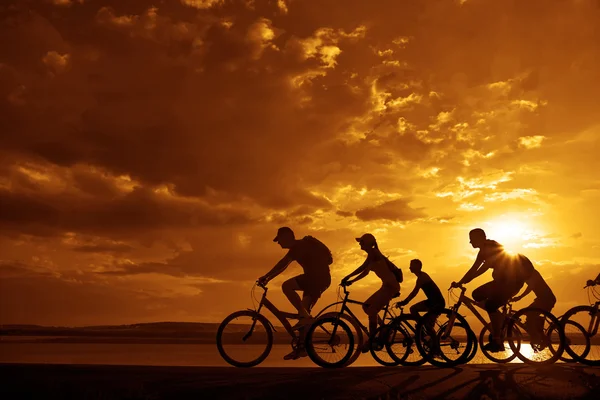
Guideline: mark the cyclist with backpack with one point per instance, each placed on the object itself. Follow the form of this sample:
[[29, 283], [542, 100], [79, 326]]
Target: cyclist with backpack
[[390, 276], [314, 258]]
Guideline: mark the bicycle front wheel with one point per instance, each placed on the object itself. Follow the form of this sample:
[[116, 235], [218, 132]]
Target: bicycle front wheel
[[356, 332], [329, 342], [587, 317], [244, 338], [536, 336], [442, 346]]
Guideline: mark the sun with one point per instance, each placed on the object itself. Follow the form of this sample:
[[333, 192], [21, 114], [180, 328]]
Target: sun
[[510, 232]]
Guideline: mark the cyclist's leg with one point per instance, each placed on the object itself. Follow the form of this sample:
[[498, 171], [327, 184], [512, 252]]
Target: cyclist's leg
[[497, 295], [418, 308], [375, 303], [483, 292], [545, 302], [290, 289]]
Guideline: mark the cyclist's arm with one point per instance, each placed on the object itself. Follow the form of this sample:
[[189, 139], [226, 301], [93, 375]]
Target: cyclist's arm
[[279, 267], [413, 293], [361, 275], [597, 280], [525, 293], [361, 271], [476, 270]]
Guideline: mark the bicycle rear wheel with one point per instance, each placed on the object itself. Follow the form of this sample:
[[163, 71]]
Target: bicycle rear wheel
[[473, 351], [500, 357], [244, 338], [385, 336], [577, 341], [404, 348], [329, 342], [441, 348], [541, 336]]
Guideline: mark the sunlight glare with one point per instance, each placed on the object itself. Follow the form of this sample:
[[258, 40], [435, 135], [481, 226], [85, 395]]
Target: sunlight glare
[[510, 232]]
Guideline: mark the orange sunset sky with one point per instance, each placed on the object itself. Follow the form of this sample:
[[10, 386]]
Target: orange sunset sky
[[150, 150]]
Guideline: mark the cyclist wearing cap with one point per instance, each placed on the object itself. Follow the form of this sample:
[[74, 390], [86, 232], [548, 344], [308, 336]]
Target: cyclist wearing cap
[[508, 277], [314, 258], [390, 287]]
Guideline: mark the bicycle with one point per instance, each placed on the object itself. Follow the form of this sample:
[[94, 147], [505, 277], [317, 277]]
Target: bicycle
[[257, 327], [584, 322], [511, 331], [318, 329], [398, 337]]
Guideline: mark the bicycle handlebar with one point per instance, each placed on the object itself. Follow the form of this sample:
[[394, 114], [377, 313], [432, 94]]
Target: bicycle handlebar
[[590, 283], [261, 285], [461, 287], [344, 287]]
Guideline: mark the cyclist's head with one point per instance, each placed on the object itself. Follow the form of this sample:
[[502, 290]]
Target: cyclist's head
[[477, 237], [285, 237], [367, 241], [415, 265]]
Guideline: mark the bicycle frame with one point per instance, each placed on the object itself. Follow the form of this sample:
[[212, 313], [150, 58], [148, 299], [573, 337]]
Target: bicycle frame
[[346, 309], [471, 305], [594, 321], [282, 316]]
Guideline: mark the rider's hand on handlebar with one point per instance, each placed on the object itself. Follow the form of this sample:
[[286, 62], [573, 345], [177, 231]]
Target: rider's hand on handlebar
[[345, 282], [262, 281], [454, 285], [590, 283]]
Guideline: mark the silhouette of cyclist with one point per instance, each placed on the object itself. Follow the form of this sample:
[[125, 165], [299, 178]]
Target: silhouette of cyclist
[[390, 287], [314, 258], [544, 300], [435, 299], [508, 277]]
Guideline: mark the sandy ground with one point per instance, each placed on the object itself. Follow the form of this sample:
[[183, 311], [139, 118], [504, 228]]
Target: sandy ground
[[47, 381]]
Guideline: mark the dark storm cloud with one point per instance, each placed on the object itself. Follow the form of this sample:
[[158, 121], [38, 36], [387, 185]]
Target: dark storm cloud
[[395, 210], [139, 210]]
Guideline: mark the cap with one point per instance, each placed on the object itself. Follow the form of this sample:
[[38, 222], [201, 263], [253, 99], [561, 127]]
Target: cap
[[367, 239], [283, 230]]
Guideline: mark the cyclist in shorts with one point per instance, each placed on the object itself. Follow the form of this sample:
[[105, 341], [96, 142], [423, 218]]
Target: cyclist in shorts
[[544, 300], [435, 299], [390, 287], [314, 258], [508, 277]]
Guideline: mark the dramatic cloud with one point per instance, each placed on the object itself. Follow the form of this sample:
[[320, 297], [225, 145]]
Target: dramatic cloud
[[149, 151], [395, 210]]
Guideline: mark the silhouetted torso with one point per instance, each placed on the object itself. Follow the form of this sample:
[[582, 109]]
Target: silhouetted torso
[[431, 290], [507, 268], [376, 262], [312, 255]]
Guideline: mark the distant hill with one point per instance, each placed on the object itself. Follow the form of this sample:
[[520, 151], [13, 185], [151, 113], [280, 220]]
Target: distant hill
[[154, 332]]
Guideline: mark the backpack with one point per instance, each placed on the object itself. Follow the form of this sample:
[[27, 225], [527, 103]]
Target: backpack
[[320, 248], [395, 270]]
